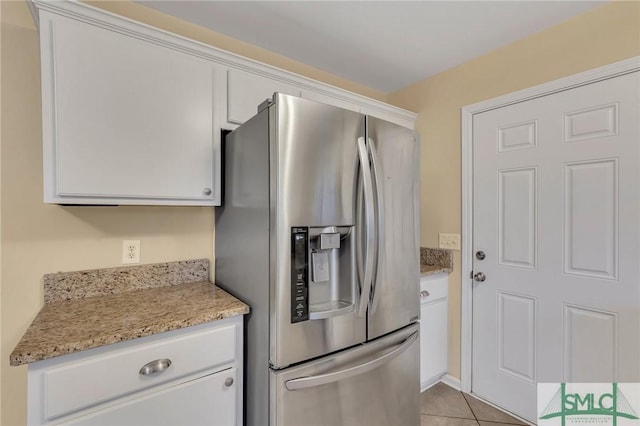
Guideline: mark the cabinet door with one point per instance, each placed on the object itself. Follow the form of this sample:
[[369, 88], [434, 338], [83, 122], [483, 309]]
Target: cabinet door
[[209, 400], [245, 91], [433, 340], [124, 119]]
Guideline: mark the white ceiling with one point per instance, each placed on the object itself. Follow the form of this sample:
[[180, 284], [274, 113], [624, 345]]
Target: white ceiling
[[385, 45]]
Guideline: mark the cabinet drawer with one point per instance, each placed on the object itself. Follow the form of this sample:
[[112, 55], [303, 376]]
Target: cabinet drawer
[[81, 384], [434, 287], [208, 400]]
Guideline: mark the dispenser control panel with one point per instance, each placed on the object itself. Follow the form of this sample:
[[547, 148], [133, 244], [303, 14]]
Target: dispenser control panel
[[299, 274]]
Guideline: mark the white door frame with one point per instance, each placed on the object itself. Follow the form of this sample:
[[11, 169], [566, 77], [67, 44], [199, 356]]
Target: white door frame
[[608, 71]]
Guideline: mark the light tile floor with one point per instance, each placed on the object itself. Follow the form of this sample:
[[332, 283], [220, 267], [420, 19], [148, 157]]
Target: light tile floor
[[445, 406]]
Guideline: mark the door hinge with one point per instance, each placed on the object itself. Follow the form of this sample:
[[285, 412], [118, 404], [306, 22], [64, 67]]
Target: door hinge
[[471, 275]]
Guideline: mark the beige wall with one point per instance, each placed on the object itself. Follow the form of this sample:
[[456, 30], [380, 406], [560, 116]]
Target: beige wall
[[599, 37], [37, 238]]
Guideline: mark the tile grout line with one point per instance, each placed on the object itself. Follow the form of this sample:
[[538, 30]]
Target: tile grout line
[[491, 421], [466, 418], [448, 417], [467, 398], [470, 409]]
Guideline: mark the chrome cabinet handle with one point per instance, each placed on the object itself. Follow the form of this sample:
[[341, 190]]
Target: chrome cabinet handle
[[365, 281], [228, 382], [207, 191], [323, 379], [155, 367], [424, 293]]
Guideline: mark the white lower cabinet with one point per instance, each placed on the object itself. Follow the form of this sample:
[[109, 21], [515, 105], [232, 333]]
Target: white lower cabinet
[[208, 400], [193, 377], [433, 328]]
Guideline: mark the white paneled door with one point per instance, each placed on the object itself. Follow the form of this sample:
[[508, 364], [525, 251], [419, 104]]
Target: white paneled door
[[557, 215]]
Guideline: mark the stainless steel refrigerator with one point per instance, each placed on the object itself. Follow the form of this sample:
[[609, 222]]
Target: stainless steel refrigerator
[[318, 233]]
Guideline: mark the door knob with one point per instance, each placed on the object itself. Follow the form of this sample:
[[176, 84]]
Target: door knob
[[480, 255], [479, 276]]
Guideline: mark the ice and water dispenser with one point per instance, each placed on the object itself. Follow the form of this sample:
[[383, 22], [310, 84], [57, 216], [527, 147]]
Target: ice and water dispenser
[[322, 272]]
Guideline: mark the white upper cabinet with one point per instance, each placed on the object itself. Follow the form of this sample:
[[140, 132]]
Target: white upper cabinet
[[133, 114], [127, 121], [245, 91]]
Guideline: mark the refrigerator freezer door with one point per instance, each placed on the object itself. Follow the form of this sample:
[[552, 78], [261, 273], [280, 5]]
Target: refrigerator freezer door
[[395, 164], [372, 384], [314, 168]]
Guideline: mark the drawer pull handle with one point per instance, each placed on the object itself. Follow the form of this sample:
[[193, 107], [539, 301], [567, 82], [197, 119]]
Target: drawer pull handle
[[424, 293], [228, 382], [155, 367]]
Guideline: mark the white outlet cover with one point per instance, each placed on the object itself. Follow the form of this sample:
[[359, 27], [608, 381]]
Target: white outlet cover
[[449, 241], [130, 251]]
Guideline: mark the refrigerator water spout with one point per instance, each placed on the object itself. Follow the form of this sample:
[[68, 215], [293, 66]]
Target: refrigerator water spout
[[320, 266], [332, 284]]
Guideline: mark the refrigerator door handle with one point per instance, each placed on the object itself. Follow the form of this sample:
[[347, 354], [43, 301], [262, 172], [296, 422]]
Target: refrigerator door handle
[[323, 379], [365, 283], [375, 161]]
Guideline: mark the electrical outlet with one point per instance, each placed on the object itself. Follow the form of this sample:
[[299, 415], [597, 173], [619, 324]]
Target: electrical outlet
[[131, 251], [449, 241]]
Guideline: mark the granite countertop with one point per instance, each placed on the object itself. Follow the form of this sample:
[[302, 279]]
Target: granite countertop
[[426, 270], [80, 322], [435, 261]]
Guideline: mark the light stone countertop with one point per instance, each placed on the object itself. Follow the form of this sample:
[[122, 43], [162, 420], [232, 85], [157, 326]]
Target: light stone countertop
[[434, 261], [68, 326], [426, 270]]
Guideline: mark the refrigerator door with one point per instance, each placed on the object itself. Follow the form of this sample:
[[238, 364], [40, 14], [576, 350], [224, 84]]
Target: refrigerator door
[[373, 384], [314, 171], [395, 156]]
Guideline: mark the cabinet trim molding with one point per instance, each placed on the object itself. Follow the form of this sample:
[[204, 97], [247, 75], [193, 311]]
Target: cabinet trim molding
[[104, 19]]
